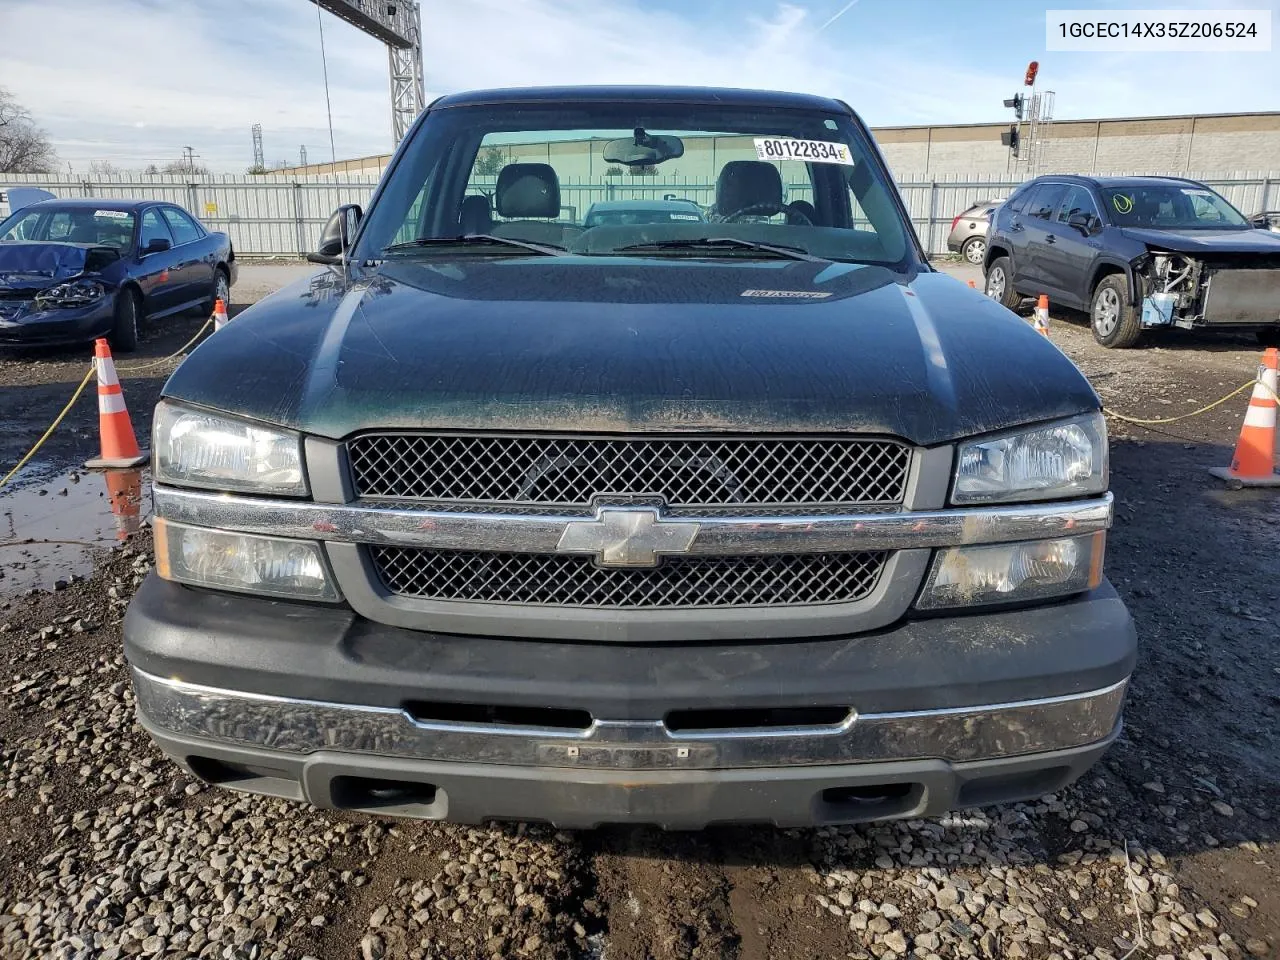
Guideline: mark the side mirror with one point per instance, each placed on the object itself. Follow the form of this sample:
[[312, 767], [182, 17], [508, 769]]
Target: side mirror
[[335, 238], [157, 245], [1084, 222]]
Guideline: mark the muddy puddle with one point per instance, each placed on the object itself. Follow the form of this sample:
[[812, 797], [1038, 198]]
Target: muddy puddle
[[51, 531]]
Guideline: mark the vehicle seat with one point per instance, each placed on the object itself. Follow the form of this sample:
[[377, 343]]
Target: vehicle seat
[[528, 195], [748, 183], [475, 215], [1149, 208], [83, 231], [808, 215]]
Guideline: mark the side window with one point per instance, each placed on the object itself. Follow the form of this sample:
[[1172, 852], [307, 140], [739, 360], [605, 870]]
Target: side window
[[184, 228], [1045, 200], [1078, 201], [153, 228], [1018, 202]]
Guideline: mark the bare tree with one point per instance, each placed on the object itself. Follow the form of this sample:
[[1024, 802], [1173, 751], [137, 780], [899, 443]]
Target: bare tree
[[183, 167], [103, 168], [24, 147]]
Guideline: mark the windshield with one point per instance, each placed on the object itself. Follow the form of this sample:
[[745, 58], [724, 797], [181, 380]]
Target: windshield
[[1171, 206], [106, 228], [638, 179]]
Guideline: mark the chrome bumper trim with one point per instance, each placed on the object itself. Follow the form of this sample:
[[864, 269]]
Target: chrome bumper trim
[[716, 536], [305, 726]]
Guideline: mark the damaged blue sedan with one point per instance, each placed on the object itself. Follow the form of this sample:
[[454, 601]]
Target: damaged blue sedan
[[73, 270]]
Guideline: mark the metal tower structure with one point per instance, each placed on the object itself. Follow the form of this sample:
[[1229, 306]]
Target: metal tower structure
[[1039, 126], [259, 160], [1028, 138], [396, 23]]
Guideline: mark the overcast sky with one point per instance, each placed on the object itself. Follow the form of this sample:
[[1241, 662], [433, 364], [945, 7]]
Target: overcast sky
[[134, 81]]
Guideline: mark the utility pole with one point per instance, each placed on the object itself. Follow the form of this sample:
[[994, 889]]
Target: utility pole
[[328, 107], [397, 23], [189, 154]]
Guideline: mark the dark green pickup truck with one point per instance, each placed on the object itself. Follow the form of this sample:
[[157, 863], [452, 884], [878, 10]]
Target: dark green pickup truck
[[753, 517]]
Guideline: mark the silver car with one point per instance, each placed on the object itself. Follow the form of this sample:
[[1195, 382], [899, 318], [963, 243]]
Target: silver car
[[968, 235]]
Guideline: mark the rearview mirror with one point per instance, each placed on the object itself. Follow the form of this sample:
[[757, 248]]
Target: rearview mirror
[[642, 149], [157, 245], [335, 238]]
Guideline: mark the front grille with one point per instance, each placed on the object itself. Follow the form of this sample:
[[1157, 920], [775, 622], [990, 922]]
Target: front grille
[[577, 471], [574, 581]]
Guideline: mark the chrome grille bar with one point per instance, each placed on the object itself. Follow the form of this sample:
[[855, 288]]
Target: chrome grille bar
[[717, 536]]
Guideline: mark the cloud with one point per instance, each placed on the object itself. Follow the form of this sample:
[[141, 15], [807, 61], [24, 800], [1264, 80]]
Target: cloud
[[137, 80]]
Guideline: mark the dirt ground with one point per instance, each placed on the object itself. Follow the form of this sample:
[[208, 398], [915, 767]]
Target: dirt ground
[[1168, 848]]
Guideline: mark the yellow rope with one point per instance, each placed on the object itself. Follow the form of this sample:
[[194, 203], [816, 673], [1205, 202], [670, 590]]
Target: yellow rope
[[156, 363], [80, 389], [1186, 416], [53, 426]]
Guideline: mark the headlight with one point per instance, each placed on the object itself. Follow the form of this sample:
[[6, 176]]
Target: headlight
[[1013, 572], [75, 293], [1065, 459], [201, 449], [238, 561]]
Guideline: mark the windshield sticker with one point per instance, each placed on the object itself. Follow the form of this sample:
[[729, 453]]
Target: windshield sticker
[[685, 216], [112, 214], [1122, 203], [788, 294], [815, 151]]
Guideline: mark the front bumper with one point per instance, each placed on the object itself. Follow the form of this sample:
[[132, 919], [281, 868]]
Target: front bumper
[[24, 327], [938, 713]]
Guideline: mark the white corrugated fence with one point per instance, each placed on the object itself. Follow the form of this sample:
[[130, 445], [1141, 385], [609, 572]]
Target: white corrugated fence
[[282, 216]]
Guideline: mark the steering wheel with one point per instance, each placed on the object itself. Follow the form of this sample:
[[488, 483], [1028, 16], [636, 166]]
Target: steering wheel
[[766, 209]]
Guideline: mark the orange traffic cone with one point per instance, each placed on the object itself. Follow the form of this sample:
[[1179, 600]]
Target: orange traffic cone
[[1254, 462], [1041, 318], [124, 489], [219, 314], [119, 445]]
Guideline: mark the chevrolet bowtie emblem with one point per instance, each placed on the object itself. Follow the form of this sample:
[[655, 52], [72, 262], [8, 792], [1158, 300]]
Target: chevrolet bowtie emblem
[[622, 537]]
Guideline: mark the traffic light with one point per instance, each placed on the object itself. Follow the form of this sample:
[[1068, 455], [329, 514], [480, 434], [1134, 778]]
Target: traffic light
[[1016, 103], [1032, 69], [1010, 139]]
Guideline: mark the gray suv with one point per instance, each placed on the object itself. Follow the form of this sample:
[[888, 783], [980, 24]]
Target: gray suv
[[1137, 253]]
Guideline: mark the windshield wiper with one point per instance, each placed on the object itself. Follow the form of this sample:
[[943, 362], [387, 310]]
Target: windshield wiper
[[479, 240], [724, 243]]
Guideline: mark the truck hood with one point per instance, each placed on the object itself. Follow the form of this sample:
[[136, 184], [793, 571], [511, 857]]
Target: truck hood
[[37, 264], [608, 344], [1207, 242]]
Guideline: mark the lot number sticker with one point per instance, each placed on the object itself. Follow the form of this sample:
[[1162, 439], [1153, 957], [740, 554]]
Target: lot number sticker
[[815, 151]]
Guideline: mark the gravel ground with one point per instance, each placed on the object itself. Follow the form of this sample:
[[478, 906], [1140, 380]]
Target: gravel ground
[[1167, 849]]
